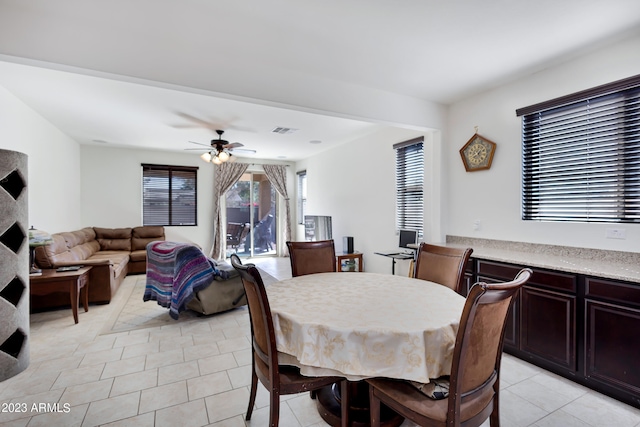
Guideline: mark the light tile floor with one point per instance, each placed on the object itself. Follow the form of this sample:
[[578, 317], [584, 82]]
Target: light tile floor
[[198, 374]]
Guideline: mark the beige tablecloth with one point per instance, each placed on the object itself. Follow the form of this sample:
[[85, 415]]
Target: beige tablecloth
[[363, 325]]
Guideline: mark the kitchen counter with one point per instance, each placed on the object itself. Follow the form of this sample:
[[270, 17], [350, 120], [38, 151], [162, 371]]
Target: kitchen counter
[[593, 262]]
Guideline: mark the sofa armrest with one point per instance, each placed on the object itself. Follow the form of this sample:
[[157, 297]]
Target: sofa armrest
[[227, 268]]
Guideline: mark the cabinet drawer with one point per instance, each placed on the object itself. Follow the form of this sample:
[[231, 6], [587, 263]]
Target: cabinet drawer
[[612, 291], [497, 270], [544, 278], [468, 268]]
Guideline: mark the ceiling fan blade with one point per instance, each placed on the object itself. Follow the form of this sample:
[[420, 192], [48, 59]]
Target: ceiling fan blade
[[242, 150], [234, 145], [200, 122], [198, 143], [198, 149]]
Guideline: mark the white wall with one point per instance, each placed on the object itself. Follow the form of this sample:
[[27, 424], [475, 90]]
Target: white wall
[[493, 196], [53, 162], [355, 185], [112, 190]]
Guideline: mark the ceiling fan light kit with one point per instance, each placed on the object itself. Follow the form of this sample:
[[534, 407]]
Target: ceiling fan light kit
[[220, 150]]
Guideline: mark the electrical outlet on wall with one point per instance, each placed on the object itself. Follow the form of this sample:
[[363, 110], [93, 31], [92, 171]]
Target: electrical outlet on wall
[[476, 225], [616, 233]]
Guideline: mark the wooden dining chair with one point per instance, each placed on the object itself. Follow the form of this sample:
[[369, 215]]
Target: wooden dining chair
[[475, 371], [277, 379], [312, 257], [442, 265]]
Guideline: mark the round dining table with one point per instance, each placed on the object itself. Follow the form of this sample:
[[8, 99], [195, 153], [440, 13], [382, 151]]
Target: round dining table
[[360, 325]]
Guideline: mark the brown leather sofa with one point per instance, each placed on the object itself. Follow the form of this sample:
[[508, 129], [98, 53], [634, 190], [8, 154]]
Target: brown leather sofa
[[111, 252]]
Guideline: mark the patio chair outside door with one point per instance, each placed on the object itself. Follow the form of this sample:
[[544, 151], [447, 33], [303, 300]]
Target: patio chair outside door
[[252, 201]]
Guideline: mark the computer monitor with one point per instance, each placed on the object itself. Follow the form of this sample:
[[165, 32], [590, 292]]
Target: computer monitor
[[407, 237]]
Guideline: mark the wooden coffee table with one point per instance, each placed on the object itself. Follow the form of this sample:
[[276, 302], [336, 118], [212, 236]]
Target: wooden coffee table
[[67, 281]]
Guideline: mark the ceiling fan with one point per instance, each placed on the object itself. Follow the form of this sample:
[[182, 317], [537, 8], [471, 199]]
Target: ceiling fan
[[219, 150]]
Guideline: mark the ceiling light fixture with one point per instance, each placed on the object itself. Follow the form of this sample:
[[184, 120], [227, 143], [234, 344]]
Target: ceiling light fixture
[[217, 156], [220, 152]]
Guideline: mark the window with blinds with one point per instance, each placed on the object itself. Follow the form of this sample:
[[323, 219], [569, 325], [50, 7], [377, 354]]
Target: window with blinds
[[410, 184], [581, 156], [169, 195]]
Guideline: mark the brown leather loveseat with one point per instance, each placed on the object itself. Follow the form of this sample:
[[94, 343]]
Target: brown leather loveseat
[[111, 252]]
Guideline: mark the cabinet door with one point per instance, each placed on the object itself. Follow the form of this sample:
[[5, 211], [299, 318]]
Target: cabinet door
[[612, 347], [548, 326]]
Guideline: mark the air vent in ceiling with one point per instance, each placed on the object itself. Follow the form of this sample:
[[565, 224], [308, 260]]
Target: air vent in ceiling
[[283, 131]]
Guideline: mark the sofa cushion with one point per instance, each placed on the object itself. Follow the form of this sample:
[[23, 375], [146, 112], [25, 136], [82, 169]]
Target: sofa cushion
[[45, 254], [113, 239], [85, 250], [72, 238], [138, 256], [142, 236], [117, 259], [89, 233]]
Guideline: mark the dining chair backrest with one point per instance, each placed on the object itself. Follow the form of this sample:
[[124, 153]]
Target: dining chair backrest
[[474, 386], [277, 379], [259, 312], [443, 265], [479, 341], [312, 257]]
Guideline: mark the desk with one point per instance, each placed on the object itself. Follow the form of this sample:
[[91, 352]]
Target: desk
[[394, 257], [74, 282], [362, 325]]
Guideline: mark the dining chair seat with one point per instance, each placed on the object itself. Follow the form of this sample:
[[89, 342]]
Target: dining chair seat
[[425, 411]]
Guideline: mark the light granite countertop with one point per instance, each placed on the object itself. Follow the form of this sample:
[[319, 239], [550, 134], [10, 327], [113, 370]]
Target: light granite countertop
[[593, 262]]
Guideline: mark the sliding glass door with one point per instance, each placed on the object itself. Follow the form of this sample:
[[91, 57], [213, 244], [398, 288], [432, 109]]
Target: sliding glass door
[[251, 216]]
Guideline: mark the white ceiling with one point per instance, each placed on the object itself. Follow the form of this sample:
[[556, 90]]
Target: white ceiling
[[160, 73]]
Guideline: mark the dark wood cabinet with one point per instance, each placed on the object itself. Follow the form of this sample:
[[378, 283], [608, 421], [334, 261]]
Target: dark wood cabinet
[[612, 325], [581, 327], [548, 326], [469, 277]]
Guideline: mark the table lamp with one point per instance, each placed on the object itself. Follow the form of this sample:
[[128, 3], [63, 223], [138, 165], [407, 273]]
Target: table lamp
[[37, 238]]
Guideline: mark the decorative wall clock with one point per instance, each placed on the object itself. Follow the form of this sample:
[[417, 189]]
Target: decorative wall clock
[[477, 153]]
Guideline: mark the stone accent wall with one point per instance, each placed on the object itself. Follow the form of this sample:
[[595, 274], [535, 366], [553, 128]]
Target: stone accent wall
[[14, 264]]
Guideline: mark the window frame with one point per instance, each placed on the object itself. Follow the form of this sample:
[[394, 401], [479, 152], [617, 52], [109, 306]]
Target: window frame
[[302, 196], [171, 216], [581, 156], [410, 185]]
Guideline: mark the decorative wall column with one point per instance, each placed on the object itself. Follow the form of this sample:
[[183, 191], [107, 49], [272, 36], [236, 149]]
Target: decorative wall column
[[14, 264]]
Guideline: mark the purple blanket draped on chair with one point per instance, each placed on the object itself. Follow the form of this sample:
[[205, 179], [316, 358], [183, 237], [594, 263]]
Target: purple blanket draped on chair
[[175, 272]]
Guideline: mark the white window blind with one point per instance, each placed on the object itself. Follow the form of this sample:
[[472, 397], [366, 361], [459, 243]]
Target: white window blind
[[581, 156], [410, 184], [169, 195]]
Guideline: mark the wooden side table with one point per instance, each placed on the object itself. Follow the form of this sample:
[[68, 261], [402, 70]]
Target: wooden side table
[[353, 262], [74, 282]]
